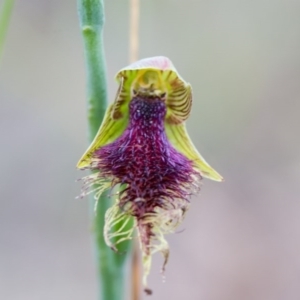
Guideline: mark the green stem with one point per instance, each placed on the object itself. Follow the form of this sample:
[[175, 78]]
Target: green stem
[[5, 15], [91, 16], [110, 264]]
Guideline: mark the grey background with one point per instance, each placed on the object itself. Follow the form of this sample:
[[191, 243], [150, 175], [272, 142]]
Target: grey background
[[241, 238]]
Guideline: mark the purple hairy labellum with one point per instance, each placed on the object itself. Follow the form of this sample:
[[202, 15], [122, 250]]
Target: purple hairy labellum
[[143, 147]]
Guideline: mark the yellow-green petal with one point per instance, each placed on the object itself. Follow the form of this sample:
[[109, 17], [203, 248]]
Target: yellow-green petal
[[181, 141]]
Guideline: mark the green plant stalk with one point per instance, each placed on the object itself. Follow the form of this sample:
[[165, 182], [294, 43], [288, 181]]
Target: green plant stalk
[[110, 264], [5, 14]]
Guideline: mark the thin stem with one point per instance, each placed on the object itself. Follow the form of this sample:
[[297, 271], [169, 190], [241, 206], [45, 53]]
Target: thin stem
[[5, 15], [134, 30], [136, 273], [110, 264], [91, 16]]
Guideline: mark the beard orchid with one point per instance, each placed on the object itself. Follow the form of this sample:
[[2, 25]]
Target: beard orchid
[[143, 147]]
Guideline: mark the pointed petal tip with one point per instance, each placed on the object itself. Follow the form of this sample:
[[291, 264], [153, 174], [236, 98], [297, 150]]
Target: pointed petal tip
[[217, 177], [211, 174], [82, 164], [221, 179]]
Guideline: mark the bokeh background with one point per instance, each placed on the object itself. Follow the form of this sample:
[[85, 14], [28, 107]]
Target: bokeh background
[[242, 237]]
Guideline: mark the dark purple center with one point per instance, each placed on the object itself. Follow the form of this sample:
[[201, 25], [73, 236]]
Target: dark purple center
[[143, 159]]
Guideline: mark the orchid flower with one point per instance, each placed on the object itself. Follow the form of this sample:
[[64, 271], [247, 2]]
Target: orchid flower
[[143, 147]]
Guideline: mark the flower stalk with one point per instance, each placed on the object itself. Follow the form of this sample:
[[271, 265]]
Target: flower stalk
[[110, 264]]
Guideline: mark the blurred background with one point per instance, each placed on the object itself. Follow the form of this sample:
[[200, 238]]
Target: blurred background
[[242, 237]]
